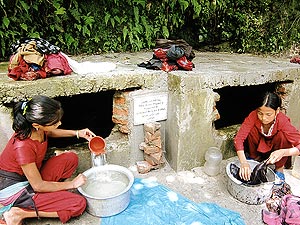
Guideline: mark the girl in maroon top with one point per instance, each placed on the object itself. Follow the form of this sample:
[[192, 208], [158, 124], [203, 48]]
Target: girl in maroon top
[[267, 133], [30, 187]]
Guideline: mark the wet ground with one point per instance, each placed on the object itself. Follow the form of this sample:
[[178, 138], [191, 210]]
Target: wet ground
[[196, 186]]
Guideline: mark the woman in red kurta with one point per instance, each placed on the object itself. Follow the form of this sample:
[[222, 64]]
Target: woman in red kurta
[[30, 187], [267, 133]]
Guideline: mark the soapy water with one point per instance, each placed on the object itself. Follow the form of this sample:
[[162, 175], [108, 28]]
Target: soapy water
[[105, 184]]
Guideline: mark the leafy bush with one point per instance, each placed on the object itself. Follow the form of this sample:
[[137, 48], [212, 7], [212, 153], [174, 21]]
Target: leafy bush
[[97, 26]]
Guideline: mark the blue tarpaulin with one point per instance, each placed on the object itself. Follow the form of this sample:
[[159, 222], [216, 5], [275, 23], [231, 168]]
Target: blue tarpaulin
[[154, 204]]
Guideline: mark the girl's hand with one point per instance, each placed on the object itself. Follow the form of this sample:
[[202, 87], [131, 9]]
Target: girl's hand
[[276, 156], [79, 180], [85, 133], [245, 171]]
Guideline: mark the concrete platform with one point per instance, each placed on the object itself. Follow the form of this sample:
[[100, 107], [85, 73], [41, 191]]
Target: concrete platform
[[196, 186], [190, 92], [191, 98]]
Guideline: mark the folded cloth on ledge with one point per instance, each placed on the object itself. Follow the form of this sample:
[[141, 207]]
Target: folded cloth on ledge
[[89, 67], [295, 59], [155, 204]]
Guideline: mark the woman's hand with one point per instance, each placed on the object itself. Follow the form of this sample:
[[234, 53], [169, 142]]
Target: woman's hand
[[245, 171], [276, 156], [79, 180], [85, 133]]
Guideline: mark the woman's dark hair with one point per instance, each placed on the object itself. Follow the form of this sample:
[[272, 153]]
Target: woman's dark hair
[[39, 109], [271, 100]]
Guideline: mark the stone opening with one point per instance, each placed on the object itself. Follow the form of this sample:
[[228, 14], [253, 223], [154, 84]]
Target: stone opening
[[93, 111], [237, 102]]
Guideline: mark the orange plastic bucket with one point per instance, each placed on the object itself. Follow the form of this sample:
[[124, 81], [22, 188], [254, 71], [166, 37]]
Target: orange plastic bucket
[[97, 145]]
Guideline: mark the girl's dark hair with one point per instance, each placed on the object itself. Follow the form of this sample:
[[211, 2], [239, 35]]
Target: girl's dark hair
[[39, 109], [271, 100]]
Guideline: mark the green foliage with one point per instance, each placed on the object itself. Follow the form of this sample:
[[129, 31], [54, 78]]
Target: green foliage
[[96, 26]]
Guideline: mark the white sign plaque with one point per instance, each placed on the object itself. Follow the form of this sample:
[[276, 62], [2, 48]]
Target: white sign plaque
[[150, 108]]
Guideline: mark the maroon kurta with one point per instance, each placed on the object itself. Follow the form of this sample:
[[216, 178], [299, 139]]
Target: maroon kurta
[[284, 135]]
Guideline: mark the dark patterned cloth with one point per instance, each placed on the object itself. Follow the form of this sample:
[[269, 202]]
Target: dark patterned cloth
[[278, 192], [25, 199], [42, 46], [180, 43], [169, 55]]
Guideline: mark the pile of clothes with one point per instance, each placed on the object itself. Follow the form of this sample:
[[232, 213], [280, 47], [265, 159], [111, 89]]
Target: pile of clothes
[[295, 59], [169, 55], [35, 58], [282, 207]]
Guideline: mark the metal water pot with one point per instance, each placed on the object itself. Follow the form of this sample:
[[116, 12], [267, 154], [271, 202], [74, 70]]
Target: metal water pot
[[98, 160]]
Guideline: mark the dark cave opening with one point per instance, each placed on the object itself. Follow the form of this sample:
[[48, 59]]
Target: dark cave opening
[[92, 110], [237, 102]]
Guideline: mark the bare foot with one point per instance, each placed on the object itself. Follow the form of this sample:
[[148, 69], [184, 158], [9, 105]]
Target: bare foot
[[13, 216]]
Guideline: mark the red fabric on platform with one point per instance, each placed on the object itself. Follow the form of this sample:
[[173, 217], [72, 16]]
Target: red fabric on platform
[[57, 61]]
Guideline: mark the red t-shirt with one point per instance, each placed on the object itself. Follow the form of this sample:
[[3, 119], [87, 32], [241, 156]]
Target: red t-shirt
[[20, 152]]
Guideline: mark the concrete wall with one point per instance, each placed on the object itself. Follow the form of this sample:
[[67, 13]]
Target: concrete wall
[[6, 130], [189, 129], [294, 103]]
